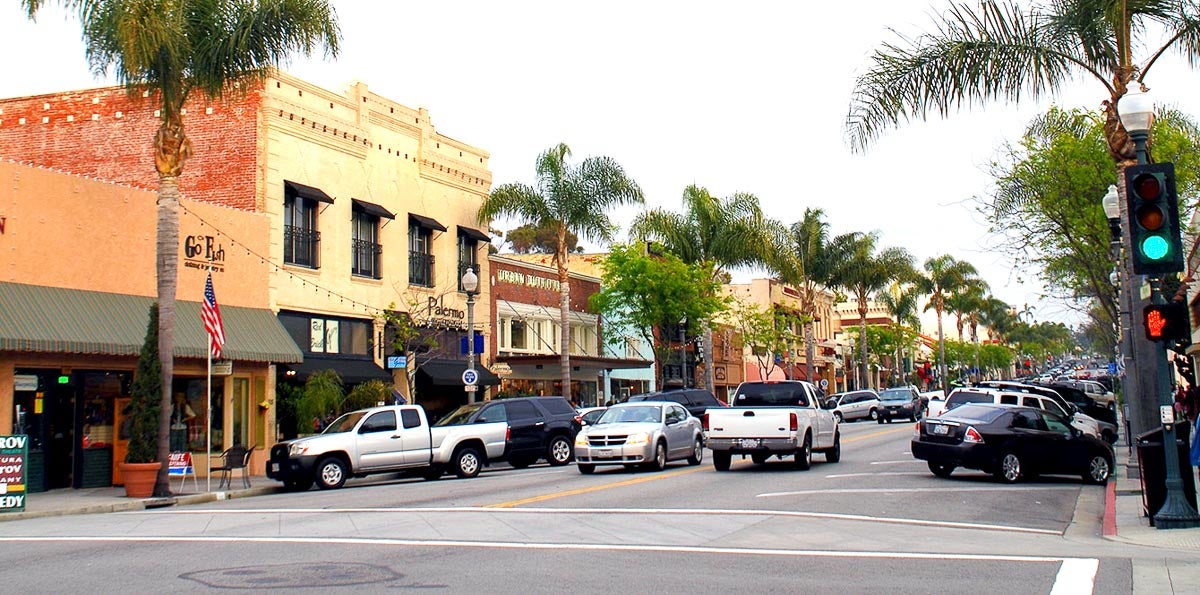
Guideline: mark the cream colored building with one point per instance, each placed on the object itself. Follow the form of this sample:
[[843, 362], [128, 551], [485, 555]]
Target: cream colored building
[[771, 293]]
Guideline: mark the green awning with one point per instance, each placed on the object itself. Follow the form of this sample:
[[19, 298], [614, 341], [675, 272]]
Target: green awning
[[39, 319]]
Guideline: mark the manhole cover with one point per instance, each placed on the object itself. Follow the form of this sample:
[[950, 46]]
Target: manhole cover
[[285, 576]]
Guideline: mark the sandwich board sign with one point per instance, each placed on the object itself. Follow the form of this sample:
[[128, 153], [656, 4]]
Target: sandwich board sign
[[14, 453]]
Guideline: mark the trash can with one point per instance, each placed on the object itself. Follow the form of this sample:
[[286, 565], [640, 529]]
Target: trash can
[[1152, 463]]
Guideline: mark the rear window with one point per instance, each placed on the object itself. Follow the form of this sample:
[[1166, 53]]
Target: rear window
[[978, 413], [703, 397], [963, 397], [770, 395], [557, 406]]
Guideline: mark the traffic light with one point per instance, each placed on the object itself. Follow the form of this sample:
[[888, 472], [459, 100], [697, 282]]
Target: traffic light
[[1166, 322], [1153, 210]]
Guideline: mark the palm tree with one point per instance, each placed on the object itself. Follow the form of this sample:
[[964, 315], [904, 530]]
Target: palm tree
[[717, 234], [571, 199], [172, 49], [804, 256], [901, 302], [964, 302], [862, 272], [997, 316], [944, 275]]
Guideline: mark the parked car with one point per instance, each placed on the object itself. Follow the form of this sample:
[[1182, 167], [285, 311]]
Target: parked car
[[1014, 393], [539, 427], [858, 404], [779, 418], [589, 415], [900, 402], [1010, 442], [935, 402], [695, 400], [643, 433]]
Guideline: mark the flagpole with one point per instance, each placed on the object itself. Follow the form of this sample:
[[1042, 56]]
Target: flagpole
[[208, 408]]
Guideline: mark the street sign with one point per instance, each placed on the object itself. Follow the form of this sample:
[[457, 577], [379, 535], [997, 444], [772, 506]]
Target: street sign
[[397, 362], [470, 377], [824, 383], [470, 388]]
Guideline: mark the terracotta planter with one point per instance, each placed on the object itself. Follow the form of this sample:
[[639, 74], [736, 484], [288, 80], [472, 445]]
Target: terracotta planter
[[140, 478]]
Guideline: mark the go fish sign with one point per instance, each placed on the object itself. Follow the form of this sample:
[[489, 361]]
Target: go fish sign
[[14, 452]]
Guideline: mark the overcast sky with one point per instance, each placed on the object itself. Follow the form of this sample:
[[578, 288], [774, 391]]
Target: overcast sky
[[746, 96]]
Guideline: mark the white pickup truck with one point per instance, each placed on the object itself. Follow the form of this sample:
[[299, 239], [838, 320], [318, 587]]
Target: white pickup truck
[[772, 418], [385, 440]]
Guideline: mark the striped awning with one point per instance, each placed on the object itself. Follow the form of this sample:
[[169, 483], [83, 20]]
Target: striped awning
[[39, 319]]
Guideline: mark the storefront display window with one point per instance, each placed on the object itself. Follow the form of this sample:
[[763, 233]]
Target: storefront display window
[[189, 413], [240, 402]]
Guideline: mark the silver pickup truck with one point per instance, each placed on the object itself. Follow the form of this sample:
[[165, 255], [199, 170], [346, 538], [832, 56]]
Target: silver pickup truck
[[772, 418], [385, 440]]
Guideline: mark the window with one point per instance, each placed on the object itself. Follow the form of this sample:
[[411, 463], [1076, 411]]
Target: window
[[241, 411], [1054, 424], [383, 421], [518, 410], [420, 255], [328, 335], [410, 418], [366, 254], [1008, 400], [301, 239], [633, 348], [468, 249]]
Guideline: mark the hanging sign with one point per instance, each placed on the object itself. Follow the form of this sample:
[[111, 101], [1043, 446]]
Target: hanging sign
[[14, 452]]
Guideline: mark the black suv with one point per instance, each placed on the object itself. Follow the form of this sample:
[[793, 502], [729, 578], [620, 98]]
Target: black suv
[[538, 427], [695, 400]]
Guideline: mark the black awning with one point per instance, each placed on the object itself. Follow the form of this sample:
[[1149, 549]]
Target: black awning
[[424, 221], [448, 372], [309, 192], [373, 209], [474, 234], [352, 371]]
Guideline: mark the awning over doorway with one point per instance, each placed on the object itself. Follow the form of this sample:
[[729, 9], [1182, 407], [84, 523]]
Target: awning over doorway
[[39, 319], [547, 366], [352, 371], [448, 372]]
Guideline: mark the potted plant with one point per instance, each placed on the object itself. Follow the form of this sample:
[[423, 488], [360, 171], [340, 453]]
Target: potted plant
[[141, 464]]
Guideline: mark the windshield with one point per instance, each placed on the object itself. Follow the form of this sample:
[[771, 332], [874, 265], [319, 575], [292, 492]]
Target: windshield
[[344, 423], [895, 395], [636, 414], [459, 416]]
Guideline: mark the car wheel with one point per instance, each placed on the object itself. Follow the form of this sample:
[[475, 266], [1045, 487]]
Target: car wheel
[[804, 455], [834, 454], [467, 462], [838, 416], [1098, 470], [1009, 470], [721, 460], [586, 469], [941, 469], [331, 473], [697, 453], [558, 453], [660, 457], [298, 485], [874, 414]]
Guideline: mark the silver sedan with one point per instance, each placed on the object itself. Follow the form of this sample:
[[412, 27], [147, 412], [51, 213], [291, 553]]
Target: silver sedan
[[641, 434]]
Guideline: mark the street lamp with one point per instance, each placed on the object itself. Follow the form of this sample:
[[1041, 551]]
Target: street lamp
[[1136, 110], [683, 350], [470, 284]]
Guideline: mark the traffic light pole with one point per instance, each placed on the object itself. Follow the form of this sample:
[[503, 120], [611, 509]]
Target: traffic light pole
[[1176, 511]]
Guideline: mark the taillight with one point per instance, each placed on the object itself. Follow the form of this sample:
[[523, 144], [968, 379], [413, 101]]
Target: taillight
[[579, 419], [917, 430], [704, 421], [508, 434], [972, 435], [795, 421]]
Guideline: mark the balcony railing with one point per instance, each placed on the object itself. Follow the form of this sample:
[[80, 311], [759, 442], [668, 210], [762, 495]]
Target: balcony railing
[[301, 245], [366, 259], [420, 269]]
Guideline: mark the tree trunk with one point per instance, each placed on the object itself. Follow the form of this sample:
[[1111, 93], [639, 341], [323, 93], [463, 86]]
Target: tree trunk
[[564, 305], [168, 269], [708, 358], [862, 340], [941, 351], [809, 350]]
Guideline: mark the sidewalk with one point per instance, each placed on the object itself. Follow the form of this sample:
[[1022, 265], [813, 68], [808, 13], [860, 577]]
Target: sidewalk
[[1125, 522], [112, 499]]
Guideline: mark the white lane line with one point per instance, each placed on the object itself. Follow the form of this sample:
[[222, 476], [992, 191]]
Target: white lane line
[[614, 511], [909, 490], [938, 556], [896, 462], [1076, 576], [876, 473]]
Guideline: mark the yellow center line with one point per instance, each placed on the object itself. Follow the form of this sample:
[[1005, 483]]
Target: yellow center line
[[668, 475]]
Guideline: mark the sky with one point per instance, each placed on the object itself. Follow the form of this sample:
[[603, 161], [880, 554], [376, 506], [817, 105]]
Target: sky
[[746, 96]]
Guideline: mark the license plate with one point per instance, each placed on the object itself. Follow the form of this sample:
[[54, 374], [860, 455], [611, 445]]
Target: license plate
[[274, 467], [940, 430], [604, 452], [750, 443]]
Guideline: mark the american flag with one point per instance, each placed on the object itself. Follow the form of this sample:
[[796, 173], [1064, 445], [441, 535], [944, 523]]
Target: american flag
[[211, 313]]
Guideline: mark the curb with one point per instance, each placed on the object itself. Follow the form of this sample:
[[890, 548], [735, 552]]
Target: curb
[[1110, 509], [143, 503]]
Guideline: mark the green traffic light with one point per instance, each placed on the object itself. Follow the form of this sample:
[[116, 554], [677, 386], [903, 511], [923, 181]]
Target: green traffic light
[[1154, 247]]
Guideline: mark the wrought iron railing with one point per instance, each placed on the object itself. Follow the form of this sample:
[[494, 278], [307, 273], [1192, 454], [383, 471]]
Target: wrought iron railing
[[420, 269], [366, 259], [300, 246]]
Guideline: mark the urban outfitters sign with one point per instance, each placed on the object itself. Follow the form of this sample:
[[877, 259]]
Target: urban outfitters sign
[[14, 452]]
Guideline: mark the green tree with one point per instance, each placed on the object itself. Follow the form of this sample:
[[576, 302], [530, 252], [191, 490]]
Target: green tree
[[173, 48], [323, 395], [966, 302], [712, 233], [569, 198], [943, 276], [863, 271], [768, 334], [534, 239], [367, 394], [143, 401], [998, 317], [901, 301], [644, 292]]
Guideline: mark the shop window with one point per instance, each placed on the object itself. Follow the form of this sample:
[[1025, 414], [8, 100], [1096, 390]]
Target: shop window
[[240, 405], [190, 412]]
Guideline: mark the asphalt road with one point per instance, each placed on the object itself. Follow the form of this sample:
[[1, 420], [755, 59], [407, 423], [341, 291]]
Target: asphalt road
[[876, 521]]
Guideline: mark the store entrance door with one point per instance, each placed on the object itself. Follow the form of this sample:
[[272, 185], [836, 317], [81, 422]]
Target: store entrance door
[[60, 437]]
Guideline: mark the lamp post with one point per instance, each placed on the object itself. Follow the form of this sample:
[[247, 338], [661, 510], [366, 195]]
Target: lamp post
[[683, 351], [1136, 110], [470, 284]]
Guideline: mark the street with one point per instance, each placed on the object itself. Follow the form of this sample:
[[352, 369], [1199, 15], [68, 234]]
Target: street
[[876, 521]]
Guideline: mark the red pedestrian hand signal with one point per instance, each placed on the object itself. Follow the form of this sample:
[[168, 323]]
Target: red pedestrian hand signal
[[1155, 323]]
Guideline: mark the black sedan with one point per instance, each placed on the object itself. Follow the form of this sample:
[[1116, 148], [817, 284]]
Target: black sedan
[[1010, 443]]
